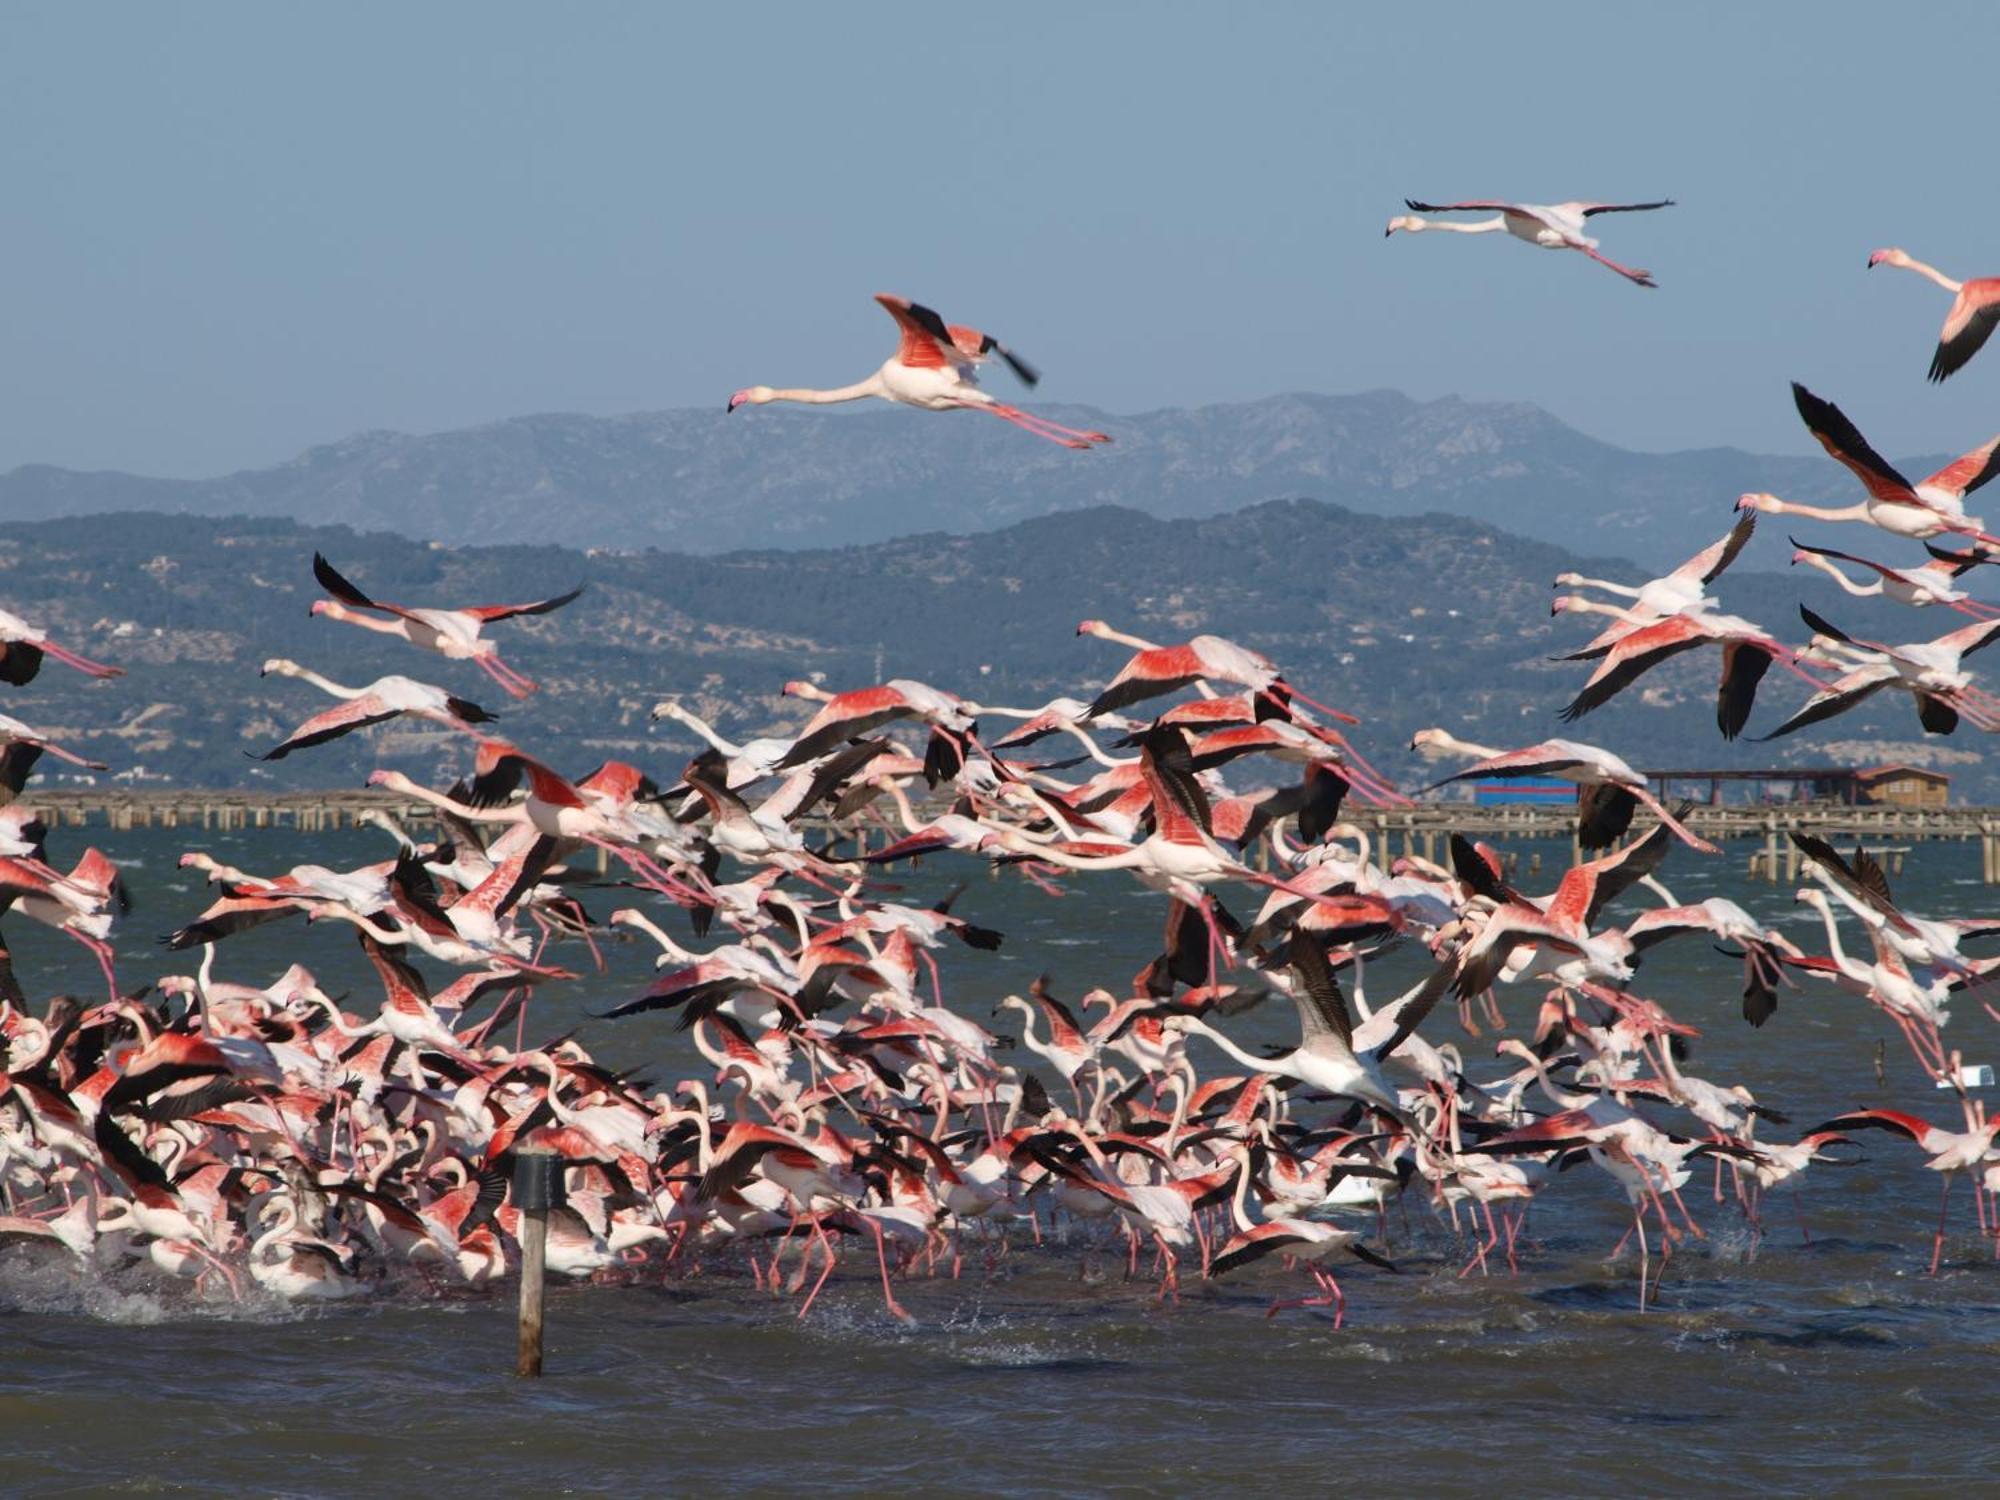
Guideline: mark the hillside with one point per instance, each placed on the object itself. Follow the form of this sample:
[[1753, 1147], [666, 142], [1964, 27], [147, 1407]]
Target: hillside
[[700, 481], [1429, 619]]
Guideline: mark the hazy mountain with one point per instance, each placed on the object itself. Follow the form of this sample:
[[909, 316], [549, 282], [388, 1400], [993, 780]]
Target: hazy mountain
[[701, 481], [1427, 619]]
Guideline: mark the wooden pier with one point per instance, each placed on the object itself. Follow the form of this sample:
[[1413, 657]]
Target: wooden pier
[[303, 812], [1424, 830], [1888, 832]]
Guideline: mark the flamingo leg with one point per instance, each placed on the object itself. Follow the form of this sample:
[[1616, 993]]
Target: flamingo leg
[[1642, 278], [1071, 437], [1937, 1244], [1020, 419]]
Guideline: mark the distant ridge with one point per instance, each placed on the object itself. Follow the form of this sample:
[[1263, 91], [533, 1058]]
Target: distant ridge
[[700, 481]]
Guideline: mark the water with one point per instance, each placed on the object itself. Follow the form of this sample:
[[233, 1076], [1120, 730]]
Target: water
[[1777, 1366]]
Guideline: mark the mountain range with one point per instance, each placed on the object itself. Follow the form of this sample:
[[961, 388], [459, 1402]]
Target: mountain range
[[706, 482], [1407, 621]]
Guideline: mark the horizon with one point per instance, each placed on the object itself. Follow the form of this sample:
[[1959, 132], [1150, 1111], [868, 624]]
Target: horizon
[[219, 261]]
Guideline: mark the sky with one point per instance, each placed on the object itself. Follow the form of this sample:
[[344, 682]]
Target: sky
[[231, 231]]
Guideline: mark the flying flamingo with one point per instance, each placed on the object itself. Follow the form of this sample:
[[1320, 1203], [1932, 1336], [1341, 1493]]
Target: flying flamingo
[[1928, 670], [383, 699], [1975, 308], [1747, 654], [1553, 226], [13, 732], [451, 633], [1609, 788], [1916, 587], [1684, 589], [935, 370], [1922, 510]]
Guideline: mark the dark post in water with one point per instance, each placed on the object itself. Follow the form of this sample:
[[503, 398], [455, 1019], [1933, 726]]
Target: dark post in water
[[538, 1187]]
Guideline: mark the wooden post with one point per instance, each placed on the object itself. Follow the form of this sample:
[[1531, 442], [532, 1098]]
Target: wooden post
[[538, 1187]]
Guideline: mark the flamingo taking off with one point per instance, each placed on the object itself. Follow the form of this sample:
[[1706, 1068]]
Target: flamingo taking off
[[1553, 226], [1975, 308], [935, 370]]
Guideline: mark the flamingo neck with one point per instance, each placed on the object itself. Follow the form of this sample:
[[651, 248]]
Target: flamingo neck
[[1451, 226], [1932, 273], [1847, 584], [805, 395], [1624, 591], [1858, 512]]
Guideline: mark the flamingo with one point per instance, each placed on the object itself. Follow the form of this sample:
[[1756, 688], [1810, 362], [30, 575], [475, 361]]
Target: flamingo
[[1950, 1152], [1747, 653], [383, 699], [1975, 308], [845, 716], [13, 732], [1311, 1242], [1926, 509], [1552, 226], [22, 647], [1916, 587], [1610, 787], [935, 369], [1682, 590], [452, 633], [1928, 670]]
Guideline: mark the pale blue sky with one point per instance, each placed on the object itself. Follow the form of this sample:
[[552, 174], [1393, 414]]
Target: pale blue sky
[[228, 231]]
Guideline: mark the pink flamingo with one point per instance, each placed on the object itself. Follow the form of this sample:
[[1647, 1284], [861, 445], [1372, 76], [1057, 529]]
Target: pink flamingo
[[934, 370]]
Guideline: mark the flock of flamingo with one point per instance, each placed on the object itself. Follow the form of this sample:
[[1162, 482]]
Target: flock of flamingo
[[246, 1135]]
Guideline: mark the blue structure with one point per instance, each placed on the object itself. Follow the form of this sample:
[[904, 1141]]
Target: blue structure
[[1528, 791]]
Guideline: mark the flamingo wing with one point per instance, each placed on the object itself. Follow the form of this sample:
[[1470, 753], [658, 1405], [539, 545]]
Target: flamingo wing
[[1962, 476], [1835, 552], [1588, 209], [1849, 692], [330, 579], [1744, 664], [1967, 326], [842, 718], [1843, 440], [1970, 638], [487, 613], [1255, 1245], [1178, 797], [1481, 205], [1536, 760], [342, 718], [1935, 714], [1156, 670], [1631, 658], [1322, 1008], [925, 336], [1910, 1126], [975, 345], [1709, 563]]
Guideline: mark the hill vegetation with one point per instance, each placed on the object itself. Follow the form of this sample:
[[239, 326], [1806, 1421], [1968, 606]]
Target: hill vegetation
[[1412, 621]]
